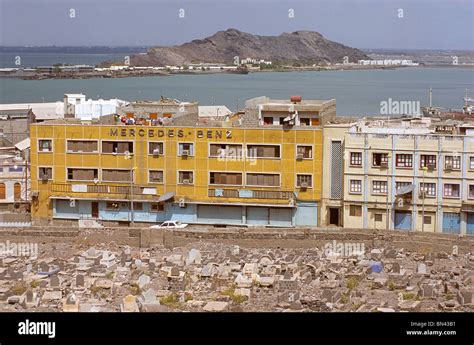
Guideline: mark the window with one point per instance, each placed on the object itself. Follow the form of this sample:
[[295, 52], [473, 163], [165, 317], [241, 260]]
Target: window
[[268, 120], [471, 163], [224, 150], [380, 159], [114, 206], [305, 121], [379, 187], [427, 220], [115, 175], [356, 158], [225, 178], [82, 146], [3, 193], [15, 168], [45, 173], [429, 189], [185, 149], [185, 177], [137, 206], [451, 190], [74, 174], [265, 180], [355, 186], [471, 191], [305, 152], [155, 148], [117, 146], [155, 176], [157, 208], [428, 161], [45, 145], [452, 162], [355, 211], [263, 151], [399, 185], [378, 217], [301, 180], [404, 160]]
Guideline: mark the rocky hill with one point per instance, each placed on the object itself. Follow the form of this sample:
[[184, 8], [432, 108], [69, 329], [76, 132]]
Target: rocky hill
[[304, 47]]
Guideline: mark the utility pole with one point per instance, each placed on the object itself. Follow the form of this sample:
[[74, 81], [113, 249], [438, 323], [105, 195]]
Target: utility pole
[[130, 156], [423, 202], [387, 214]]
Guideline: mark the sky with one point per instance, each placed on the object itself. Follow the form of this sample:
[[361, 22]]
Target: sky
[[390, 24]]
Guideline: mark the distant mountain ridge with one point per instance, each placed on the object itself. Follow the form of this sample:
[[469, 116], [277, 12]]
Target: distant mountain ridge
[[305, 47]]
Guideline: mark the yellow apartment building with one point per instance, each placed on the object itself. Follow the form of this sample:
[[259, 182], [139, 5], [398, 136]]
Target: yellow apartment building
[[226, 174]]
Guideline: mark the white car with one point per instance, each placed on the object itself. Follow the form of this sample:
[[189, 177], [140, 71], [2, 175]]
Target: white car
[[171, 224]]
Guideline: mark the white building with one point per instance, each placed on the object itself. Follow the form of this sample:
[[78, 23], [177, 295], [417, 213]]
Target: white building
[[76, 105]]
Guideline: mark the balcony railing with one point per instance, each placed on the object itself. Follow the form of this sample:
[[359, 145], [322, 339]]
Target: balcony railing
[[248, 193], [104, 190]]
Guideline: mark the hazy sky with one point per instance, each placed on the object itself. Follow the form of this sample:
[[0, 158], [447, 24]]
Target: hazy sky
[[426, 24]]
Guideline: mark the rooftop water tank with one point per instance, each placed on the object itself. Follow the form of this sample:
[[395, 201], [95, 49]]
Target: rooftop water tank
[[295, 99]]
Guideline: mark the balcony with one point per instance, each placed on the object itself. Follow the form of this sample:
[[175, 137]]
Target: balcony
[[103, 191], [252, 194]]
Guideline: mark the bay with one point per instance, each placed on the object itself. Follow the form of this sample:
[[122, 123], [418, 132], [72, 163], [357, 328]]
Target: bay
[[357, 93]]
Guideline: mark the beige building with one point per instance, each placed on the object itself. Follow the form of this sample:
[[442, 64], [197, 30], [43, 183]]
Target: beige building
[[406, 174]]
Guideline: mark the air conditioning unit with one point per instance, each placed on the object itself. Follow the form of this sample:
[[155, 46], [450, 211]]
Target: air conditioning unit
[[383, 164], [44, 177], [448, 166], [156, 152], [431, 166], [182, 202], [186, 182], [299, 156], [185, 153], [304, 185]]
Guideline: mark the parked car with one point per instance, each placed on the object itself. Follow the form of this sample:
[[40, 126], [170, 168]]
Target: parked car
[[171, 224]]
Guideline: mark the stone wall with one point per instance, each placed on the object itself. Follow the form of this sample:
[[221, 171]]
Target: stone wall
[[288, 238]]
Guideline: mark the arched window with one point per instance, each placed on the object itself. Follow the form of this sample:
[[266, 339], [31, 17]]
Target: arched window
[[17, 191]]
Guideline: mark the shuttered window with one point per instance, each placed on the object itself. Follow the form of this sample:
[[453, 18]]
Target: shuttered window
[[82, 146], [74, 174], [45, 173], [116, 175], [155, 148], [45, 145], [305, 151], [266, 180], [225, 178], [3, 194], [301, 180], [185, 177], [117, 146], [263, 151], [155, 176], [223, 150]]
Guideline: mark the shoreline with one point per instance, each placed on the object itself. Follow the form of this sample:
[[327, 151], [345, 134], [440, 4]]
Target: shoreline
[[133, 74]]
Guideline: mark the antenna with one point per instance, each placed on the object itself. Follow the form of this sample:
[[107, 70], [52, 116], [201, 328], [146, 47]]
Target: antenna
[[431, 96]]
